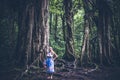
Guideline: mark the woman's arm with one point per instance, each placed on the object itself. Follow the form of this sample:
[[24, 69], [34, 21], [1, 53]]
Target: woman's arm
[[54, 55]]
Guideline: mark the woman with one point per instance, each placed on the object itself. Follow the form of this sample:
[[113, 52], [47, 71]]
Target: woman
[[49, 62]]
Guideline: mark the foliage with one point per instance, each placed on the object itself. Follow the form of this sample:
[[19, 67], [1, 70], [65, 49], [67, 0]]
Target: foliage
[[56, 7], [78, 30], [57, 46]]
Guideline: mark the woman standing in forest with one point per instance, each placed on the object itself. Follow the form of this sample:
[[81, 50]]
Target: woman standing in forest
[[49, 62]]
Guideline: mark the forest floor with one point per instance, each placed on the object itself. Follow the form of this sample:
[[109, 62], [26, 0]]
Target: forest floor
[[64, 73]]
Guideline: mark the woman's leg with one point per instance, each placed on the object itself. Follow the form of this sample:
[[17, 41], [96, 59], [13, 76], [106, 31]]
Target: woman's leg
[[50, 76]]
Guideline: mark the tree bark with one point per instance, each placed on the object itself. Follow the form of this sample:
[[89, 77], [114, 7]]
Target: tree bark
[[33, 36], [69, 51], [26, 23], [85, 46]]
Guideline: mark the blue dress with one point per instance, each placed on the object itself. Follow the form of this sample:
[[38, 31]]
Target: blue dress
[[49, 63]]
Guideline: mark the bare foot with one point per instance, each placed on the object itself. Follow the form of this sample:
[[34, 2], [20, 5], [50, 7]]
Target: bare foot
[[51, 77]]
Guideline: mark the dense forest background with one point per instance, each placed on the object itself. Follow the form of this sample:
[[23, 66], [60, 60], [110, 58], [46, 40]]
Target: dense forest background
[[83, 33]]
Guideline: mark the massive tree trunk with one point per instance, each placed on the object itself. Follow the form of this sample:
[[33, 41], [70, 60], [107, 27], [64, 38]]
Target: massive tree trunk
[[44, 26], [69, 51], [103, 25], [33, 36], [104, 31], [26, 23], [115, 31]]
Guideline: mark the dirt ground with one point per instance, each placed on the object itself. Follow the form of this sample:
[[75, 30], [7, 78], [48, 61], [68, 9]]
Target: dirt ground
[[66, 73], [107, 73], [85, 74]]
